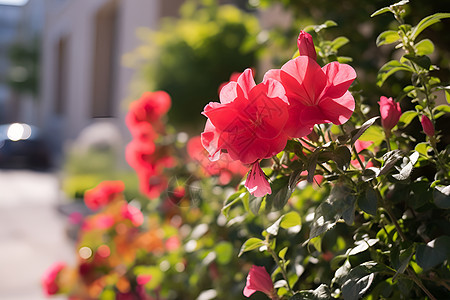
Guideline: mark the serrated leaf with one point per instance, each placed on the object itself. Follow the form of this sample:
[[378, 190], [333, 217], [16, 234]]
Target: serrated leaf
[[251, 244], [433, 253], [281, 193], [426, 22], [441, 196], [358, 132], [388, 37], [390, 68], [424, 47]]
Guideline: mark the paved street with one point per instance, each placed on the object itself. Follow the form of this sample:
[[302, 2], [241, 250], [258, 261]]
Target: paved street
[[32, 232]]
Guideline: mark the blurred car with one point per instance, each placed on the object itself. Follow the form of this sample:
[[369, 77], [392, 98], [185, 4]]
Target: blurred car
[[22, 146]]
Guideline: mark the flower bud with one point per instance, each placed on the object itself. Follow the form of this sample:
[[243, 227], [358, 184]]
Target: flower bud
[[390, 112], [427, 126], [306, 45]]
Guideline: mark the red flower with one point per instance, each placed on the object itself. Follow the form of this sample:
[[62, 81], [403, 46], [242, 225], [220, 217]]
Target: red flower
[[306, 45], [249, 121], [390, 112], [225, 167], [316, 95], [149, 108], [427, 126], [49, 279], [103, 193], [259, 280], [256, 182], [133, 214]]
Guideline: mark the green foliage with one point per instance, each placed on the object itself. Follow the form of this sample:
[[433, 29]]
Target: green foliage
[[191, 56]]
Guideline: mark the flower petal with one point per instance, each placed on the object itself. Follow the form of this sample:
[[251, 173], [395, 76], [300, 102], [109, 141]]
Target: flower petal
[[256, 182], [338, 110], [339, 78]]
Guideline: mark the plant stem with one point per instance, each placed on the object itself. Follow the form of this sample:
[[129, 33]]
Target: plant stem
[[281, 266], [387, 209], [417, 281], [358, 158]]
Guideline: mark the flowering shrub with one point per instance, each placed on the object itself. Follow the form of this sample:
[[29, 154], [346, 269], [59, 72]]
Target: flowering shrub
[[374, 224]]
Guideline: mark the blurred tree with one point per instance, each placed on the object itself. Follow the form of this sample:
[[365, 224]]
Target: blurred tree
[[354, 22], [23, 74], [191, 56]]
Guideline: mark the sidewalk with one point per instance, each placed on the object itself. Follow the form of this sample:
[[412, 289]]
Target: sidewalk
[[32, 233]]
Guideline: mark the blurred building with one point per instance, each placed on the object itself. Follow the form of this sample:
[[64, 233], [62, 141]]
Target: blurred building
[[82, 79], [10, 17]]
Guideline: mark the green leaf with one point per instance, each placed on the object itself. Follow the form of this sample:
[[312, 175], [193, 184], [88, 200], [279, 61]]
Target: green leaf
[[321, 293], [390, 68], [312, 162], [290, 219], [407, 169], [424, 47], [358, 132], [374, 133], [224, 252], [338, 42], [281, 193], [342, 157], [370, 173], [390, 159], [402, 262], [368, 201], [422, 61], [254, 204], [358, 281], [426, 22], [344, 59], [406, 118], [441, 196], [422, 148], [282, 252], [331, 210], [433, 253], [362, 246], [388, 37], [251, 244], [380, 11], [154, 271]]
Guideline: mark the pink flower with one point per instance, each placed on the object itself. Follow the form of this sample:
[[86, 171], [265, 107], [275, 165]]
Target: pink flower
[[173, 243], [103, 193], [427, 126], [249, 121], [316, 95], [256, 182], [149, 108], [142, 279], [259, 280], [133, 214], [306, 45], [49, 278], [390, 112]]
